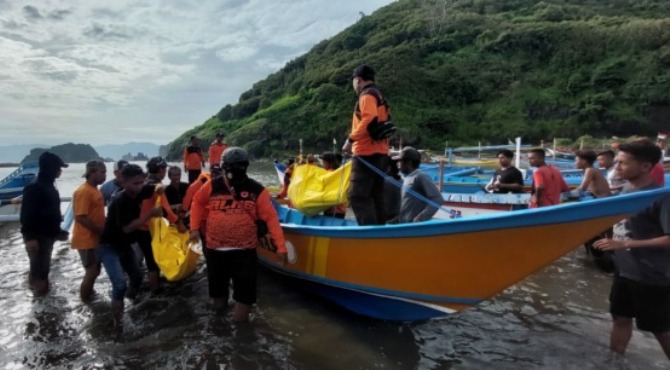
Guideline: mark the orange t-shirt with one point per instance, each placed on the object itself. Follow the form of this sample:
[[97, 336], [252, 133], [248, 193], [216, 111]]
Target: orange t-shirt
[[363, 143], [215, 152], [87, 201]]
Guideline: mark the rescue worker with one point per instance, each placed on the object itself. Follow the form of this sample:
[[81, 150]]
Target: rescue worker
[[194, 160], [216, 150], [235, 204], [366, 190]]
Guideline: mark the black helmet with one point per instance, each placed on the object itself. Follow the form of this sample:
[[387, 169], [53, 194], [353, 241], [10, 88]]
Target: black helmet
[[233, 155], [155, 164]]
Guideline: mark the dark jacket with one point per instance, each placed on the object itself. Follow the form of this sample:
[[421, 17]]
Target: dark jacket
[[40, 209]]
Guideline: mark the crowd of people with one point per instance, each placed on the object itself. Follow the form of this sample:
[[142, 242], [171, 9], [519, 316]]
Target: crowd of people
[[226, 207], [225, 204]]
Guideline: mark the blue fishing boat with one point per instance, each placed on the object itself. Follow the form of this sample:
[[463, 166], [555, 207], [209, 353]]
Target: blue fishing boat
[[475, 181], [12, 185], [424, 270]]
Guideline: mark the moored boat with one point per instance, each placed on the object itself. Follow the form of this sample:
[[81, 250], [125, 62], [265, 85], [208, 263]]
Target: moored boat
[[12, 185], [424, 270]]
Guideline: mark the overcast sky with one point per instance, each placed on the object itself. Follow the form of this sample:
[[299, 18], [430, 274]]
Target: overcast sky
[[101, 71]]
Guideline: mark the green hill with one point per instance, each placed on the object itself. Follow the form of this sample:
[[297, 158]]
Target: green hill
[[470, 70]]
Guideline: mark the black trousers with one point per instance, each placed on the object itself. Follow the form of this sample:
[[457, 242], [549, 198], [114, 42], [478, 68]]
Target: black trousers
[[193, 175], [366, 189]]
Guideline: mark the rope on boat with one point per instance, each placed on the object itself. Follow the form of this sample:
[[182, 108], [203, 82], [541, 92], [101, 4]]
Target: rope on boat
[[452, 212]]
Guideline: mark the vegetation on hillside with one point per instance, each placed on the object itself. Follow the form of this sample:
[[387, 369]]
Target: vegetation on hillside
[[468, 71]]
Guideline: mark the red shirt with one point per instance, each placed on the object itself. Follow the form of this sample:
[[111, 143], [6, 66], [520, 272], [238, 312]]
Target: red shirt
[[658, 174], [552, 183]]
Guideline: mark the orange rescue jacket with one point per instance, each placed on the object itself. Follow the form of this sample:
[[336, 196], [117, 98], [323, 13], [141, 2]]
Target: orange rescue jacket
[[230, 220], [367, 110], [215, 152], [193, 158]]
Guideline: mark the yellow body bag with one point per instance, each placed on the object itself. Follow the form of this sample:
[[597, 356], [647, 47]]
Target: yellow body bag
[[314, 190], [173, 251]]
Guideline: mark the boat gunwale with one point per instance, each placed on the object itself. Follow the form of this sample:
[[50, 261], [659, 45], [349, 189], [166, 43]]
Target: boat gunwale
[[566, 213]]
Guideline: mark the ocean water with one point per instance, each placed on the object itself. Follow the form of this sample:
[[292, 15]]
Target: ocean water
[[554, 319]]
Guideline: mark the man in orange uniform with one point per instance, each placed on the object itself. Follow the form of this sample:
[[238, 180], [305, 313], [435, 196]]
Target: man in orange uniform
[[89, 221], [216, 150], [366, 190], [234, 203], [194, 160], [548, 183]]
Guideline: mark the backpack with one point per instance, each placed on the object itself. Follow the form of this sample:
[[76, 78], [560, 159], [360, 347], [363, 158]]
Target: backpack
[[377, 130]]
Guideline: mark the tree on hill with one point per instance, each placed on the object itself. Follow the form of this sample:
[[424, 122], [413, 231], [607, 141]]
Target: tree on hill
[[468, 71]]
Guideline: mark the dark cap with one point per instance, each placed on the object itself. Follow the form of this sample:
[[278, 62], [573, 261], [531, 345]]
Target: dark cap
[[408, 153], [48, 159], [365, 72]]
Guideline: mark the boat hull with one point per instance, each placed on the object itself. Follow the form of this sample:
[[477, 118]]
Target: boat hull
[[441, 266]]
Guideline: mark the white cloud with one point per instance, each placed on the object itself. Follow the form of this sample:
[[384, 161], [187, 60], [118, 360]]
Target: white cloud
[[108, 72]]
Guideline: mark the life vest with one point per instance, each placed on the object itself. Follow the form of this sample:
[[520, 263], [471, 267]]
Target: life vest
[[379, 129]]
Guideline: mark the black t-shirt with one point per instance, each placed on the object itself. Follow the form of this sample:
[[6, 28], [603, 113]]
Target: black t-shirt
[[123, 210], [645, 265], [510, 175], [175, 196]]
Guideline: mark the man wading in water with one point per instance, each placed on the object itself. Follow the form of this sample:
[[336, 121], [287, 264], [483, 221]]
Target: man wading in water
[[40, 220], [641, 245]]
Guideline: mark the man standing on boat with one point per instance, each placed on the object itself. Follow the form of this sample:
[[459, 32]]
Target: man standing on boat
[[89, 221], [40, 220], [194, 160], [548, 183], [641, 245], [416, 188], [507, 179], [366, 190]]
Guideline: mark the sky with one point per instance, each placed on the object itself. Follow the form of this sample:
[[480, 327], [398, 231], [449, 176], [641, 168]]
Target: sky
[[111, 72]]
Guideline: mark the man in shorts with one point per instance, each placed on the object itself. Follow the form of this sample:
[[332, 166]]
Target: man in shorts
[[89, 221], [641, 245]]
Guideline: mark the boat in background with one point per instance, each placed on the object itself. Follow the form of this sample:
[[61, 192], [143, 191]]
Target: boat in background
[[10, 211], [418, 271], [467, 205], [12, 185]]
